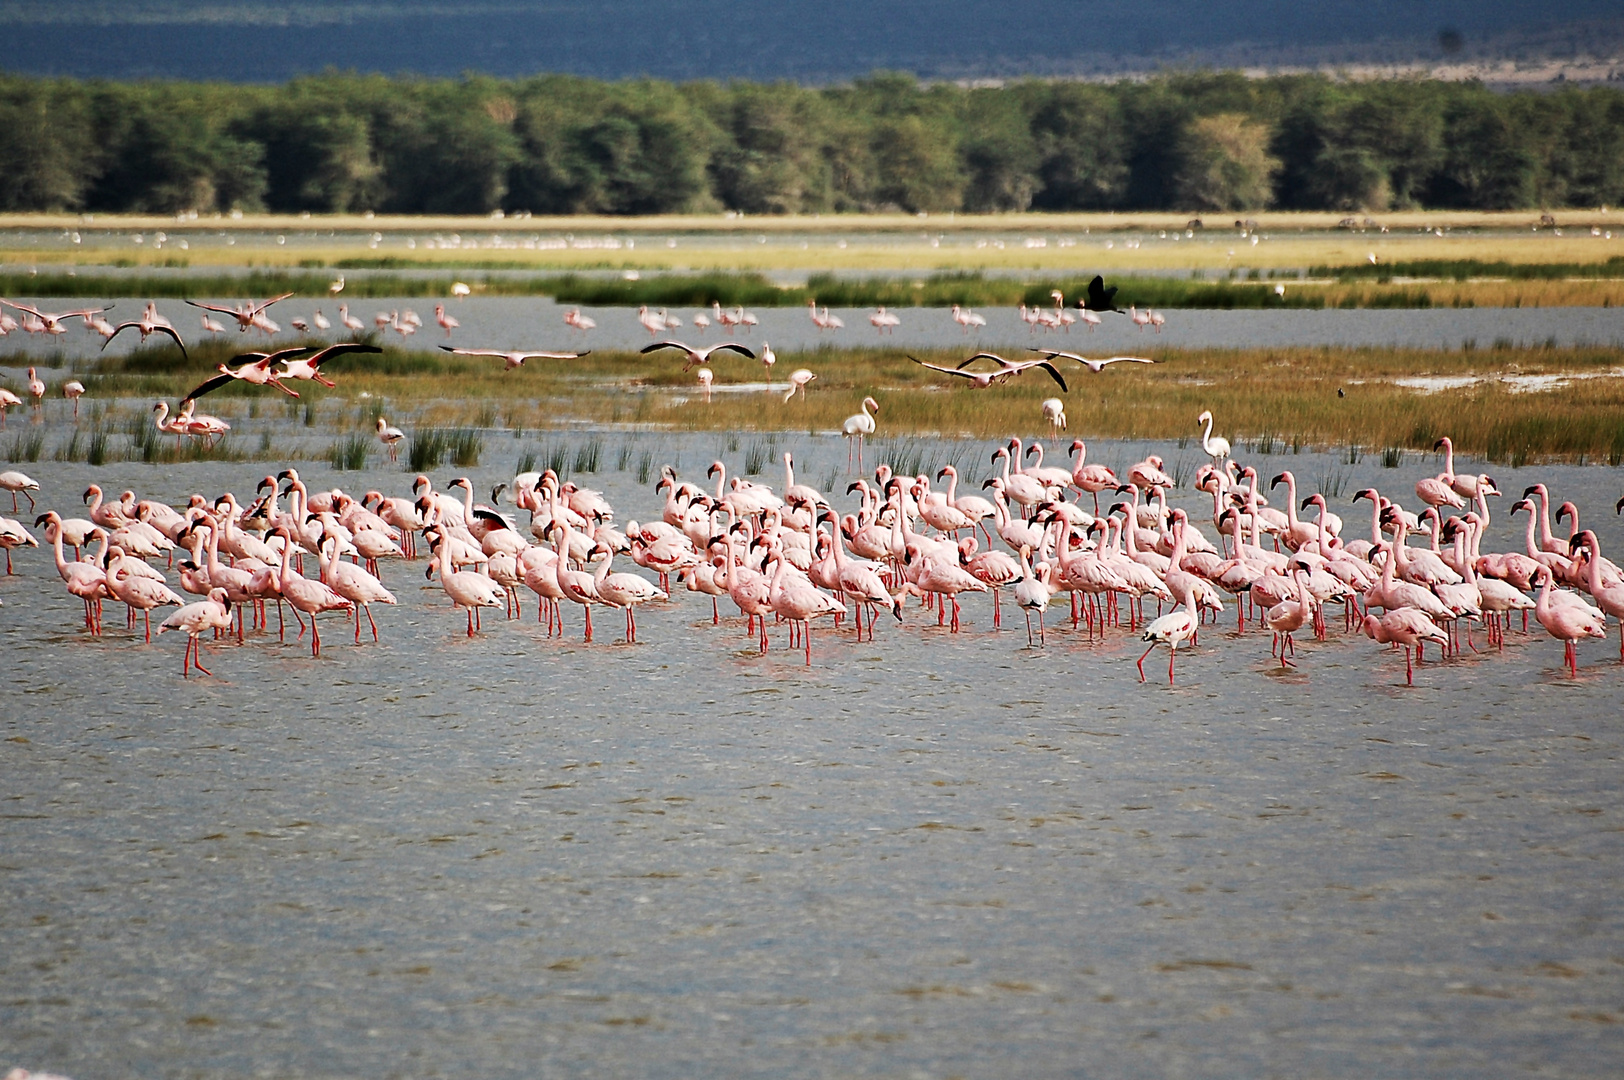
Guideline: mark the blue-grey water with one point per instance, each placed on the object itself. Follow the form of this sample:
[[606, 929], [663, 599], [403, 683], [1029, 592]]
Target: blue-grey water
[[932, 855], [537, 323]]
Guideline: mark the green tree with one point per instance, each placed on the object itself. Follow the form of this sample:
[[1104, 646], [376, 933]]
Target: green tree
[[1226, 164], [1078, 134]]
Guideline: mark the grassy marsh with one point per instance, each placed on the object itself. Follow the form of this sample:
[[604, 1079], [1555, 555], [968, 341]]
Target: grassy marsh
[[1561, 402]]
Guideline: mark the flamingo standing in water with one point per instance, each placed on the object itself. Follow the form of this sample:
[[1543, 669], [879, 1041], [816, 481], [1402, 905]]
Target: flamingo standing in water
[[1567, 622], [1408, 627], [391, 437], [447, 323], [1171, 629], [857, 426], [1217, 449], [213, 613]]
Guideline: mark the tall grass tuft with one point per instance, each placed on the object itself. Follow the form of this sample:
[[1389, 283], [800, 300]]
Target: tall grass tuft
[[587, 454], [526, 463], [349, 454], [908, 457], [428, 448], [645, 466], [465, 445], [96, 453], [71, 449], [1392, 457], [310, 414], [556, 456], [623, 456], [1334, 483], [756, 456], [26, 446]]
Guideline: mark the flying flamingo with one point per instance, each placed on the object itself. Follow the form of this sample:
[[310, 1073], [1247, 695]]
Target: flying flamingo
[[511, 360], [695, 356], [247, 314]]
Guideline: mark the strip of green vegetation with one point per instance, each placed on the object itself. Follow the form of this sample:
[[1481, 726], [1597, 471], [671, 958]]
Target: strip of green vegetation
[[693, 290], [1467, 269]]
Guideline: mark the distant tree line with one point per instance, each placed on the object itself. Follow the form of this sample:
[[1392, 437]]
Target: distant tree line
[[567, 145]]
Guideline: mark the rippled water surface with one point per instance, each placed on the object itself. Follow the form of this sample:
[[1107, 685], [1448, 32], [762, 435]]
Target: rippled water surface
[[930, 855]]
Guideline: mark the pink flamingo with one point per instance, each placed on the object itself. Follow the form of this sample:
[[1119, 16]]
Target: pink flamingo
[[1407, 627], [1608, 596], [213, 613], [1566, 622]]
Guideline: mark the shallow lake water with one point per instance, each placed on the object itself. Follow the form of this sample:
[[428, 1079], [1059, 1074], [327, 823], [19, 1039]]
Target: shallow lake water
[[930, 855], [537, 323]]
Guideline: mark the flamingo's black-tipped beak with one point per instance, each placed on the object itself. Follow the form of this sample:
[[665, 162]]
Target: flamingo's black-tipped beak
[[1576, 542], [853, 486], [1277, 480], [1618, 508], [1530, 491], [1437, 444], [1307, 503]]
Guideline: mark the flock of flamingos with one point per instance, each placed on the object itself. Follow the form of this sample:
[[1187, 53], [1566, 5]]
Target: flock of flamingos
[[790, 557]]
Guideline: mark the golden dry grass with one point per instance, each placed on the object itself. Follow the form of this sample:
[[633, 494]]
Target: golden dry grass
[[859, 243]]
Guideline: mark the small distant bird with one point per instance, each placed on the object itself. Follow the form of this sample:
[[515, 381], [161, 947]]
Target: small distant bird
[[248, 314], [321, 320], [1100, 298], [336, 286], [460, 289], [212, 327], [1096, 366], [511, 360], [390, 437], [447, 323], [72, 389], [705, 377], [768, 357], [699, 356]]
